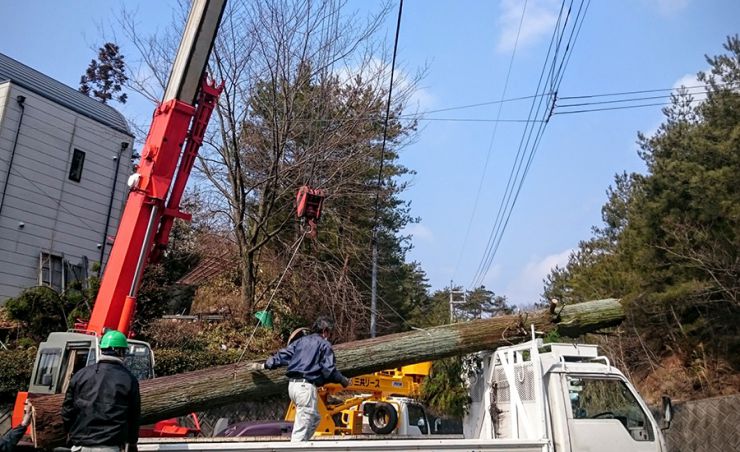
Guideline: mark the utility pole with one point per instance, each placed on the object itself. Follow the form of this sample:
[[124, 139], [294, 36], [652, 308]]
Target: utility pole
[[456, 297], [374, 280], [374, 285]]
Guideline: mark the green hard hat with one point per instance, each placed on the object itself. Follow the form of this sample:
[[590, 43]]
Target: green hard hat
[[113, 339]]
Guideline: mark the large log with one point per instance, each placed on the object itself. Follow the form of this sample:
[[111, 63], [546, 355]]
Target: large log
[[181, 394]]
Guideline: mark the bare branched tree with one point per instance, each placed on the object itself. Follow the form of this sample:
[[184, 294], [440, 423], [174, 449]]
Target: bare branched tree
[[303, 103]]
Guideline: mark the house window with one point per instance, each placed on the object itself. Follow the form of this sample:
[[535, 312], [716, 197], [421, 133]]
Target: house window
[[74, 274], [51, 271], [75, 169]]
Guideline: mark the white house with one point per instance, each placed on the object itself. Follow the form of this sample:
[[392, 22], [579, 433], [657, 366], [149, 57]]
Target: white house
[[64, 161]]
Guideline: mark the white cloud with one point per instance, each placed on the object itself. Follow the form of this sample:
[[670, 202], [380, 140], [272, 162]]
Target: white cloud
[[667, 7], [419, 231], [539, 20], [526, 288]]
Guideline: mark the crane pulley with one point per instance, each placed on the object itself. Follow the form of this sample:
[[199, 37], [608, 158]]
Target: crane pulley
[[309, 202]]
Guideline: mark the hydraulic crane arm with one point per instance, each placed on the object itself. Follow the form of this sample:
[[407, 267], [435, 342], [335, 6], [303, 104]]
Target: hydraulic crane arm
[[167, 158]]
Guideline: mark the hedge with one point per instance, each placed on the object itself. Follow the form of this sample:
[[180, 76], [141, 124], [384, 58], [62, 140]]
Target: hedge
[[15, 372]]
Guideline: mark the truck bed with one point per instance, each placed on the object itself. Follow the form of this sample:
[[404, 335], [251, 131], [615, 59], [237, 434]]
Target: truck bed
[[363, 443]]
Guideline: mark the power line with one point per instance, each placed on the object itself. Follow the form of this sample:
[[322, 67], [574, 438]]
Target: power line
[[624, 107], [633, 99], [525, 152], [624, 93], [615, 101], [483, 263], [490, 146], [483, 104]]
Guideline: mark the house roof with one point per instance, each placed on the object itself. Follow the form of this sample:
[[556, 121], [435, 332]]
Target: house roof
[[45, 86]]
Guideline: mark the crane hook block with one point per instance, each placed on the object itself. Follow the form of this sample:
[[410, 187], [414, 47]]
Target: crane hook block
[[308, 206]]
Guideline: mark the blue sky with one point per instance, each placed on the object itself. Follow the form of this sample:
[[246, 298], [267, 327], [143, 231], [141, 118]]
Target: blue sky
[[624, 45]]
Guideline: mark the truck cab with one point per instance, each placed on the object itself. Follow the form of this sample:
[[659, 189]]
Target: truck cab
[[563, 393]]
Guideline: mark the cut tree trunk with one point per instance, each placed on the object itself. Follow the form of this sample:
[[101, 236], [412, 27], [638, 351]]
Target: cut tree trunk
[[178, 395]]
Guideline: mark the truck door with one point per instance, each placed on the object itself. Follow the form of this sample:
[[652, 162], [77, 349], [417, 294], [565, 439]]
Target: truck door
[[604, 415], [77, 356], [418, 424]]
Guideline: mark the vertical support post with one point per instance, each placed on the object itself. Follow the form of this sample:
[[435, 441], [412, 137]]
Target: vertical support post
[[374, 285]]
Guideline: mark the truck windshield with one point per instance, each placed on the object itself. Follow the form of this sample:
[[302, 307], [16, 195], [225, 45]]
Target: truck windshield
[[599, 398], [139, 361]]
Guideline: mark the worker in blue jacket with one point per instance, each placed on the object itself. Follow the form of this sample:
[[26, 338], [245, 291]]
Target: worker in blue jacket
[[311, 364]]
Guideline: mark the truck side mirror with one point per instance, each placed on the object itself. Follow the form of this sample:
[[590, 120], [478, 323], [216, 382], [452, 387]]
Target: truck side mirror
[[667, 412]]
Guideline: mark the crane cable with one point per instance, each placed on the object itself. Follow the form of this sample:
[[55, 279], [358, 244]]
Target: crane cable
[[297, 246]]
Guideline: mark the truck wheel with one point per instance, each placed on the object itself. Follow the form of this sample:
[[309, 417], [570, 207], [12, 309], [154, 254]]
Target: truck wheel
[[383, 418]]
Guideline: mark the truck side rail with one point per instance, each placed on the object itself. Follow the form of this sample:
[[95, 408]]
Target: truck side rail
[[332, 445]]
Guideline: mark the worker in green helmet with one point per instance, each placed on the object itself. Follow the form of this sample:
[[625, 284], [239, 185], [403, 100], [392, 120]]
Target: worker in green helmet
[[102, 405]]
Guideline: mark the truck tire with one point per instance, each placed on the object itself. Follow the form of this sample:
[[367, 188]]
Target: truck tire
[[383, 419]]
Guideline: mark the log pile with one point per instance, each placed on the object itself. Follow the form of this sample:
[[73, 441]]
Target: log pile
[[178, 395]]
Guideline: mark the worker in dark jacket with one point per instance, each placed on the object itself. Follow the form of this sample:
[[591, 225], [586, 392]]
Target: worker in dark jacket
[[310, 361], [102, 406], [11, 438]]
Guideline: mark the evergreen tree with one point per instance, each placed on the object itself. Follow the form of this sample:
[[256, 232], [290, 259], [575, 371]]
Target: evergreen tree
[[670, 240], [105, 77]]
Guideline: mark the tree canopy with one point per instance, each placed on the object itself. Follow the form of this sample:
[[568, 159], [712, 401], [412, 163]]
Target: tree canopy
[[670, 237]]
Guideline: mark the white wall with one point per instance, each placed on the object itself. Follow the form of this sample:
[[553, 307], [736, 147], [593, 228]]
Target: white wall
[[59, 215]]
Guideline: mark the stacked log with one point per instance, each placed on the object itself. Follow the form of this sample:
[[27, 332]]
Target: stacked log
[[178, 395]]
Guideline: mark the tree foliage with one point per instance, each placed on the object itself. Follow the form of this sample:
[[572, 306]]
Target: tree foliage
[[43, 310], [105, 77], [670, 238]]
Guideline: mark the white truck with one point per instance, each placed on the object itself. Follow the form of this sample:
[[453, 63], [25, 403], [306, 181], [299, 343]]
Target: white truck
[[531, 397]]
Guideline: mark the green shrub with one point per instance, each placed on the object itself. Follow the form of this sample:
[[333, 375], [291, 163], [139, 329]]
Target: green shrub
[[15, 372], [42, 310]]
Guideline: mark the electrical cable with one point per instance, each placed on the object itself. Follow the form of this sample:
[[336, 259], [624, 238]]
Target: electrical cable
[[508, 203], [541, 130], [624, 93], [490, 145], [612, 108], [485, 259]]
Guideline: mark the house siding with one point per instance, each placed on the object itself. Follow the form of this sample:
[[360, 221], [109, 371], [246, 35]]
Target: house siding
[[59, 215]]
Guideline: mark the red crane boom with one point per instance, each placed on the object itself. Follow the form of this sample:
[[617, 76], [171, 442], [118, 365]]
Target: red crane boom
[[175, 136]]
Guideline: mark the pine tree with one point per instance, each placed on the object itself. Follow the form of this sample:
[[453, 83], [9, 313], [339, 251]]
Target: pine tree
[[106, 76]]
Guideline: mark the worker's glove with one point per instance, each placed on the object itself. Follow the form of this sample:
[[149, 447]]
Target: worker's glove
[[256, 366], [345, 381], [27, 414]]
